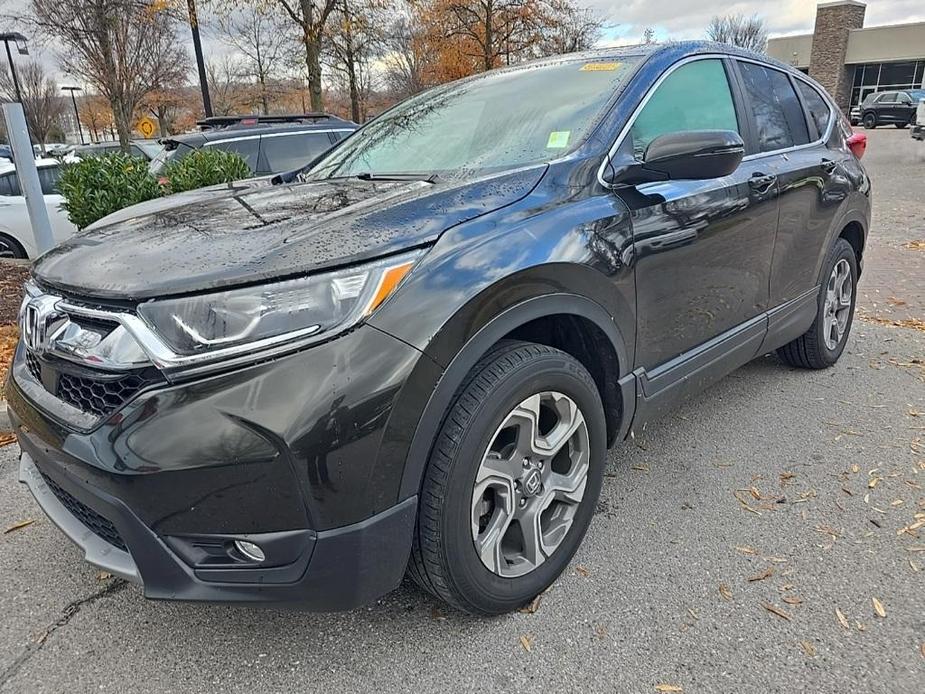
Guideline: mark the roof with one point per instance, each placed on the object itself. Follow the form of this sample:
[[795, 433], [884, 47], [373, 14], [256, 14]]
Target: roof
[[6, 166], [238, 131]]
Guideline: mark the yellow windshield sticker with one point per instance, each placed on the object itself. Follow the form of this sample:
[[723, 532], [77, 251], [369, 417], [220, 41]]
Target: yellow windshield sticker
[[558, 139], [599, 67]]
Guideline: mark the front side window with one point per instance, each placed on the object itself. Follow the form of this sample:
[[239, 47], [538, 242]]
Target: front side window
[[777, 113], [696, 96], [819, 111], [495, 121]]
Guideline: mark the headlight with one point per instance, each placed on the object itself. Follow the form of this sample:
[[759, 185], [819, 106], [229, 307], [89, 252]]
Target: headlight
[[270, 314]]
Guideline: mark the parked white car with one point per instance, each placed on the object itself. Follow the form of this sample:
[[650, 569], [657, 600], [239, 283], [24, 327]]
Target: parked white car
[[16, 237]]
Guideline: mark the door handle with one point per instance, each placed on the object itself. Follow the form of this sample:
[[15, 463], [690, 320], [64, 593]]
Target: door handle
[[762, 182], [829, 166]]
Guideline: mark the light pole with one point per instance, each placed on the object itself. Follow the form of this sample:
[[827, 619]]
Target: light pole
[[76, 112], [200, 64], [20, 42]]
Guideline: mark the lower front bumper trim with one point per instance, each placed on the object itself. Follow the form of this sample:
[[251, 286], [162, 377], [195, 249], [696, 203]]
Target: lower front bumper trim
[[96, 550]]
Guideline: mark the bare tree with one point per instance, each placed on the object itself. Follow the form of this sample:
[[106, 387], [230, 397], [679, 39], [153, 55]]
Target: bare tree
[[355, 37], [567, 28], [648, 36], [126, 49], [406, 56], [228, 94], [737, 30], [41, 99], [257, 32], [310, 17]]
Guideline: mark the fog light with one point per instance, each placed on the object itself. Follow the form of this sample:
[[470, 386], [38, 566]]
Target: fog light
[[249, 550]]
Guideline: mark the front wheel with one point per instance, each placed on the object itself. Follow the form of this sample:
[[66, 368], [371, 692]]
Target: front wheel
[[822, 345], [870, 121], [512, 482]]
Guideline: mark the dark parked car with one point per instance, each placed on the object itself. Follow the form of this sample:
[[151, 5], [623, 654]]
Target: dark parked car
[[269, 144], [145, 149], [416, 355], [891, 108]]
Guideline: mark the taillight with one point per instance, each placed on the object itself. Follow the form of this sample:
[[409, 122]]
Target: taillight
[[857, 143]]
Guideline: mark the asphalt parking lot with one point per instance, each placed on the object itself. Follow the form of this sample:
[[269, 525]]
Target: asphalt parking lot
[[762, 538]]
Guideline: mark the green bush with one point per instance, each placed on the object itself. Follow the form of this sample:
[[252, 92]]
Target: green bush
[[98, 186], [205, 167]]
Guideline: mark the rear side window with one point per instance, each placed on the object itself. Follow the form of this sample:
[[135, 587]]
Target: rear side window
[[777, 113], [287, 152], [819, 112], [9, 184], [249, 149], [48, 179], [696, 96]]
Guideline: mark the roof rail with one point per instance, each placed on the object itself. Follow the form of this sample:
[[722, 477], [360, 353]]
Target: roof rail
[[215, 122]]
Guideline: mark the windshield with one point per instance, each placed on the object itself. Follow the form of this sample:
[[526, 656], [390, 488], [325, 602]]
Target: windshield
[[499, 120]]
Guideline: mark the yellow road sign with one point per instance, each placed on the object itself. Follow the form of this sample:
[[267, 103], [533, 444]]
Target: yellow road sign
[[146, 127]]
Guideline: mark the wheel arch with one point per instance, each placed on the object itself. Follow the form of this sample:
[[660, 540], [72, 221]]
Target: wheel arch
[[570, 322]]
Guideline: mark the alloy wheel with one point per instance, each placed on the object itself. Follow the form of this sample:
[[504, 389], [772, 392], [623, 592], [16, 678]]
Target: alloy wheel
[[530, 484], [837, 309]]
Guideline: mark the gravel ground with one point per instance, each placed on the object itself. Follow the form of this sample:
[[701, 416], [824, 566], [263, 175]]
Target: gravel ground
[[739, 544]]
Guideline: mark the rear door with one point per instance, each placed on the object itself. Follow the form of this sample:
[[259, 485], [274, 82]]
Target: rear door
[[281, 152], [810, 174]]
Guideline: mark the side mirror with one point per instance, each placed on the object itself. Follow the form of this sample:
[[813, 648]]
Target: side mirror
[[692, 155]]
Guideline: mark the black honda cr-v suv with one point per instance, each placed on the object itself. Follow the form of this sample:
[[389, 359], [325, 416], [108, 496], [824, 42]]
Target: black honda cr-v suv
[[414, 355]]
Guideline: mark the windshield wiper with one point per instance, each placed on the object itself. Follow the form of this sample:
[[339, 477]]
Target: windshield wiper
[[369, 176]]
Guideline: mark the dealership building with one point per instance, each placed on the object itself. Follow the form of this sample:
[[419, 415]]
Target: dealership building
[[851, 60]]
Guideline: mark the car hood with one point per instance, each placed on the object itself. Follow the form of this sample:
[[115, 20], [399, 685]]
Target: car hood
[[249, 232]]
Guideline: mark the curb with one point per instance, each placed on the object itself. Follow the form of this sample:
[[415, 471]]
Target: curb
[[4, 418]]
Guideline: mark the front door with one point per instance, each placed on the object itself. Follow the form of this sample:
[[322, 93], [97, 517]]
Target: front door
[[703, 248]]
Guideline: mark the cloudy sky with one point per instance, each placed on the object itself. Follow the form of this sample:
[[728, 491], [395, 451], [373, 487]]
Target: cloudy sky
[[627, 19], [686, 19]]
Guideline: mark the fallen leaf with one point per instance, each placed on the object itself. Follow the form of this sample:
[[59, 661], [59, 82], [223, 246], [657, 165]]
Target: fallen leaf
[[600, 631], [435, 613], [641, 468], [746, 550], [793, 600], [855, 468], [582, 571], [18, 525], [103, 576], [725, 592], [527, 642], [842, 619], [808, 648], [668, 688], [6, 439], [773, 609], [878, 607], [767, 573], [922, 648], [532, 606]]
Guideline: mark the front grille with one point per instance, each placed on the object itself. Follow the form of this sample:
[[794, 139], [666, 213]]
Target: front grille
[[95, 392], [100, 525], [97, 396]]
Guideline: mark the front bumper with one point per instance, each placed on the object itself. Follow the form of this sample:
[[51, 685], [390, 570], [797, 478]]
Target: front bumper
[[301, 455]]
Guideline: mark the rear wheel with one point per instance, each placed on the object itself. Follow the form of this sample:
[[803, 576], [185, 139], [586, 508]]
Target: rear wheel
[[513, 480], [822, 345], [870, 120], [11, 248]]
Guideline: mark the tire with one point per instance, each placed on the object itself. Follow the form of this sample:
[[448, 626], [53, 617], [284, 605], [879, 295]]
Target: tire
[[870, 121], [902, 126], [452, 509], [813, 350], [11, 248]]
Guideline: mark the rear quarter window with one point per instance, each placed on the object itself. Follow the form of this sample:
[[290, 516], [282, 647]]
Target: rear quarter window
[[817, 107], [776, 111], [249, 148]]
